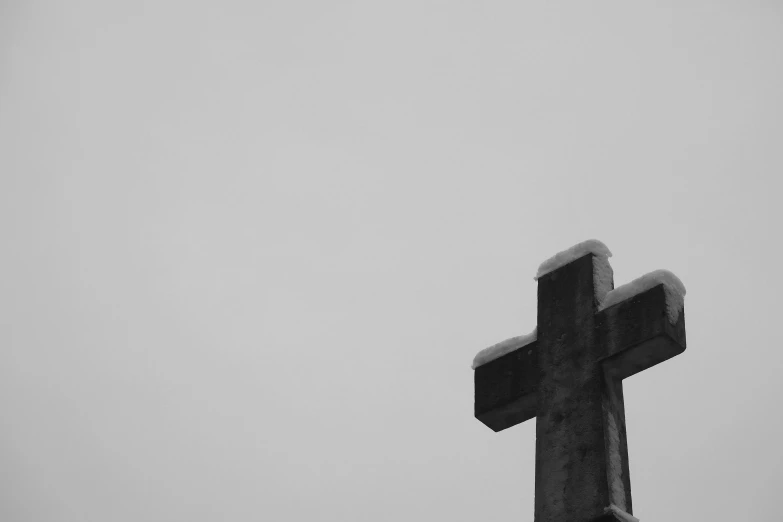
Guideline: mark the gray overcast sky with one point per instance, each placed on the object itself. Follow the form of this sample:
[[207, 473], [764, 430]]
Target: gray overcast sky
[[249, 249]]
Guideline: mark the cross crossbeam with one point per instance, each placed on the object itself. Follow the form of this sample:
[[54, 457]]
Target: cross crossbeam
[[570, 379]]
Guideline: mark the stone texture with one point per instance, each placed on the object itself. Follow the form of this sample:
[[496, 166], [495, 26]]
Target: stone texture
[[570, 379], [571, 459], [506, 388]]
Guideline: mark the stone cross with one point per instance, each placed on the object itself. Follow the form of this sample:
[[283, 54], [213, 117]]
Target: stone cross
[[570, 379]]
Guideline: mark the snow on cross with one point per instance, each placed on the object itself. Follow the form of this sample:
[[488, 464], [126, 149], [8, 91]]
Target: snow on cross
[[602, 270], [502, 348], [604, 294], [675, 291], [568, 374], [622, 515]]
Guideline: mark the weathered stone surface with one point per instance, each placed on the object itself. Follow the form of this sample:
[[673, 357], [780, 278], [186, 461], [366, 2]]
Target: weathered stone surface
[[506, 388], [636, 334], [571, 458], [570, 379]]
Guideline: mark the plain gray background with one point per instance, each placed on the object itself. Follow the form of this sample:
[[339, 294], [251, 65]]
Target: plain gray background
[[249, 249]]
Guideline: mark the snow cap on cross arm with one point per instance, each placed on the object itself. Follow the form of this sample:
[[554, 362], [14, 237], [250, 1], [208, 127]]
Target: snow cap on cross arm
[[591, 246]]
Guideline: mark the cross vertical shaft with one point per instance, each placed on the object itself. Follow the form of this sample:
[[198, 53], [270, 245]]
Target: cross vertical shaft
[[573, 435]]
